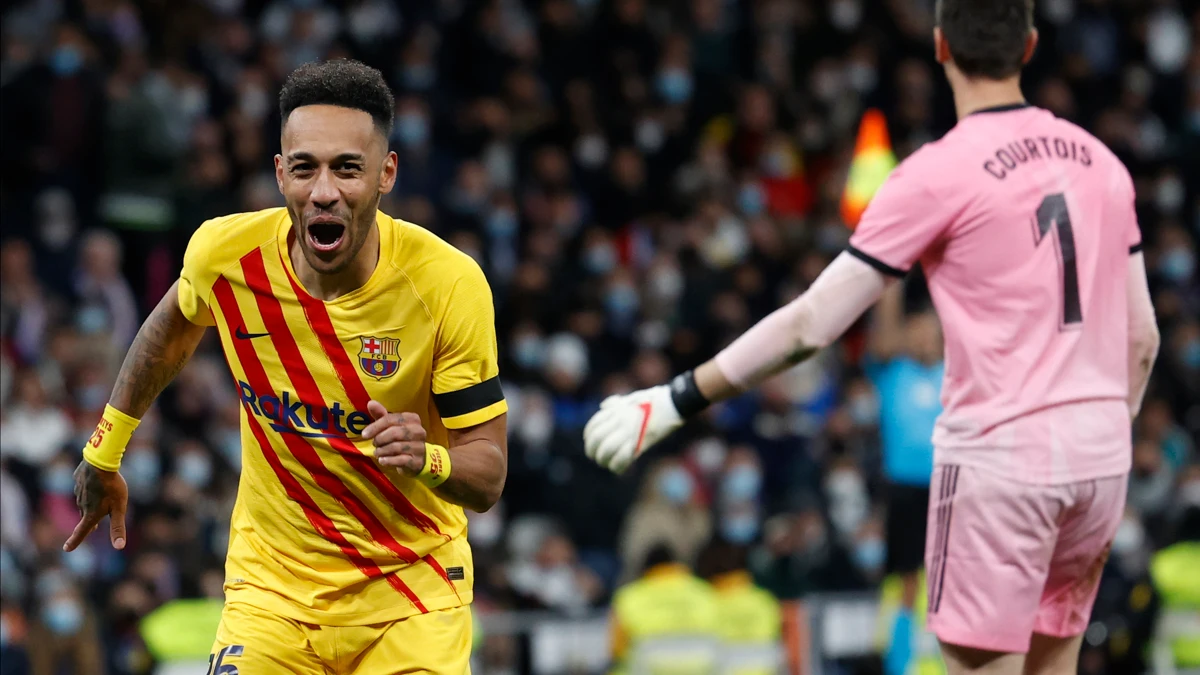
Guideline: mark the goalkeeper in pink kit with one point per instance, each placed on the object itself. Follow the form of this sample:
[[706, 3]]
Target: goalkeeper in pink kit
[[1024, 224]]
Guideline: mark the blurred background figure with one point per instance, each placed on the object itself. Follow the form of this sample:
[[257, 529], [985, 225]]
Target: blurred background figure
[[666, 618], [904, 363], [750, 618]]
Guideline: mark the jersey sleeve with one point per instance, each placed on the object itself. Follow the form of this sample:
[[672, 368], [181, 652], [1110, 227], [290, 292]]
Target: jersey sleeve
[[198, 276], [901, 222], [466, 371]]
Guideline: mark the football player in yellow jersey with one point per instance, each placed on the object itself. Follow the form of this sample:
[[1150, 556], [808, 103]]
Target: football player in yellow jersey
[[363, 350]]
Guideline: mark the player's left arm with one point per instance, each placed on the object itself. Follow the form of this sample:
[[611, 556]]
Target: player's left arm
[[469, 473], [466, 391]]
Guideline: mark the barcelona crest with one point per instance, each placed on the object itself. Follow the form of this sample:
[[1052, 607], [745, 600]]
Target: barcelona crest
[[379, 357]]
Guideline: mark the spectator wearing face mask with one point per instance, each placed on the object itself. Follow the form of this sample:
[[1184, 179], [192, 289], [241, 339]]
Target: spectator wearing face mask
[[63, 637], [739, 494], [905, 365], [668, 513]]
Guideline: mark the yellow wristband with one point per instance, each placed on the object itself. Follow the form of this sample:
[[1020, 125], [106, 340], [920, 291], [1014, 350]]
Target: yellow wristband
[[107, 444], [437, 466]]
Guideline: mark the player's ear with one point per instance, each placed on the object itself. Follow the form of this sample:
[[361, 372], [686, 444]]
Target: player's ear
[[279, 172], [941, 51], [1030, 45], [387, 173]]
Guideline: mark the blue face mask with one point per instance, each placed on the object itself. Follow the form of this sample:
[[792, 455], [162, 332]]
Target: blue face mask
[[674, 85], [1191, 354], [195, 470], [66, 61], [412, 130], [1178, 264], [742, 483], [81, 562], [502, 224], [141, 471], [751, 201], [740, 530], [600, 259], [527, 351], [63, 617], [622, 301], [419, 77], [59, 480], [91, 320], [869, 554], [93, 397], [676, 486]]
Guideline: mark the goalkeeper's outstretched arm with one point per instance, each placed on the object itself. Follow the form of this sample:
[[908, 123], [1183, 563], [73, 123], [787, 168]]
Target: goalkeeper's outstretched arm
[[626, 425]]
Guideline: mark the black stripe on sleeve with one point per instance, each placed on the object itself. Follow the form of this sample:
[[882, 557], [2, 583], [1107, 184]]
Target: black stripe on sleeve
[[879, 265], [1136, 248], [465, 401]]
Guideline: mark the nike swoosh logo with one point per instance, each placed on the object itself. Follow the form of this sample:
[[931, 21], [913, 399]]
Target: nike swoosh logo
[[243, 335], [646, 407]]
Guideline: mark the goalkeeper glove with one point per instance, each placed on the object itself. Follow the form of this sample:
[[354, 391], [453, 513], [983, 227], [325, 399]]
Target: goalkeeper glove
[[629, 424]]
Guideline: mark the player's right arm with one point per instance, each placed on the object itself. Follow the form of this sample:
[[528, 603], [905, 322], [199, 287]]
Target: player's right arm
[[1143, 332], [901, 222], [164, 343], [162, 347]]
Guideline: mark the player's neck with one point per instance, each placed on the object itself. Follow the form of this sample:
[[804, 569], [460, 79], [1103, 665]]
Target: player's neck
[[328, 287], [975, 94]]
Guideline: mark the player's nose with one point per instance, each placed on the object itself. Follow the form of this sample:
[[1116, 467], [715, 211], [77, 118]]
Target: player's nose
[[324, 191]]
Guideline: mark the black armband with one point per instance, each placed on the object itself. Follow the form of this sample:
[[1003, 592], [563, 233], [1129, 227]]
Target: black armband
[[686, 395]]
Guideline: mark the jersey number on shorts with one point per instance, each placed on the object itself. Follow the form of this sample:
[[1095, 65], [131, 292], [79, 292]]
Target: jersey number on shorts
[[216, 662], [1053, 213]]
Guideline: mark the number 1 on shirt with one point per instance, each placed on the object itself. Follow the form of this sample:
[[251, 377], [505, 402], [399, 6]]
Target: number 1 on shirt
[[1053, 213]]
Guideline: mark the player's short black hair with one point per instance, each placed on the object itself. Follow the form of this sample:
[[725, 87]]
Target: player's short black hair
[[986, 37], [341, 82]]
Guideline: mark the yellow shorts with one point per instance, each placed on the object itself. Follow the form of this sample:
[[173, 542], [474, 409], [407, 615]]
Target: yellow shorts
[[251, 641]]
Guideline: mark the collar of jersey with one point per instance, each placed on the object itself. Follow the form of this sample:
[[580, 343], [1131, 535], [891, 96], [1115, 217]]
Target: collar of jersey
[[387, 236], [1003, 108]]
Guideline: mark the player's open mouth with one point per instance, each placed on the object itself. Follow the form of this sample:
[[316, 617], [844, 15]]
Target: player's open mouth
[[325, 235]]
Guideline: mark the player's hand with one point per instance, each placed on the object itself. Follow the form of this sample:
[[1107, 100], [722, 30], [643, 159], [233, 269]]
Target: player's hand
[[99, 493], [625, 426], [399, 439]]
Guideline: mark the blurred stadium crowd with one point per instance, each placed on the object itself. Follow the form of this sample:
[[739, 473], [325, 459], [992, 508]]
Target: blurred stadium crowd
[[640, 179]]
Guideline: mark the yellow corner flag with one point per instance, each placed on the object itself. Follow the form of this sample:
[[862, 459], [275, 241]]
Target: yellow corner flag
[[873, 161]]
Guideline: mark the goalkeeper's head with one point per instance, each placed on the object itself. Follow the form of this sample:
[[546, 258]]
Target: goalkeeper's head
[[984, 39]]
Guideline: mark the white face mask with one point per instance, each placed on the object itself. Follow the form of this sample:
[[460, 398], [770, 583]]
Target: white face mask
[[1167, 41]]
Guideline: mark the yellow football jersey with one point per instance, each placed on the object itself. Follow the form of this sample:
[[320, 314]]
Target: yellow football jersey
[[320, 532]]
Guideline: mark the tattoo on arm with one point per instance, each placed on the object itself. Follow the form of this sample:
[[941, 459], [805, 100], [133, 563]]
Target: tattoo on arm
[[89, 491], [162, 347]]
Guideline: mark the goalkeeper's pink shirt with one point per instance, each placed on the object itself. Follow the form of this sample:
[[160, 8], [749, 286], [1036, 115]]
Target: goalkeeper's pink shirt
[[1023, 224]]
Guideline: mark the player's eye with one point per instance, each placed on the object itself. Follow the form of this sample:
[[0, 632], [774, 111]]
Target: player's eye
[[350, 167], [301, 168]]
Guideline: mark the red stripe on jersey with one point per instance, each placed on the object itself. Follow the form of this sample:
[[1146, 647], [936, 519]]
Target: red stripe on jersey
[[322, 325], [258, 379], [441, 572], [302, 379]]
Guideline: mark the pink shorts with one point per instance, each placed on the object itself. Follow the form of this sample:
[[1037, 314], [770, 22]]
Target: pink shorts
[[1007, 559]]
